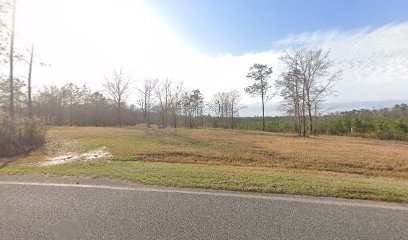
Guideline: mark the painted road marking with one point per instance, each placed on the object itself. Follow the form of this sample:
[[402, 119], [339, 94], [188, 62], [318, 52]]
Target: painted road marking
[[352, 203]]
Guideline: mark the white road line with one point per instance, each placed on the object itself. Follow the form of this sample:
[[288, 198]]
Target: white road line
[[351, 203]]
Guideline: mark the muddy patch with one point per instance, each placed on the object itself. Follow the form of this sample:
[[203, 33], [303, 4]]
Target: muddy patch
[[101, 153]]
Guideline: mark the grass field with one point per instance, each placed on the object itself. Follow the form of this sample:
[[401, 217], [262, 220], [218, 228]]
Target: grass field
[[225, 159]]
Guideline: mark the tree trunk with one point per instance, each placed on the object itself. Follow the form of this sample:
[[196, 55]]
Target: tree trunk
[[148, 119], [263, 112], [304, 113], [315, 118], [70, 113], [297, 108], [120, 114], [96, 115], [60, 114], [309, 110], [145, 108], [175, 120], [232, 115], [30, 68], [12, 60], [165, 109], [310, 119]]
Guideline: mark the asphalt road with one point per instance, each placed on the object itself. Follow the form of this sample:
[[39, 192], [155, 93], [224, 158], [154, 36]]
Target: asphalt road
[[44, 207]]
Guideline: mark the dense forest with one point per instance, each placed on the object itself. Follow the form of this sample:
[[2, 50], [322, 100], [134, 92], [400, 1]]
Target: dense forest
[[385, 123]]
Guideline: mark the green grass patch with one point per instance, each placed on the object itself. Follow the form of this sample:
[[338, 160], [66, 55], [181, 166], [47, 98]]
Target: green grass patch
[[231, 178]]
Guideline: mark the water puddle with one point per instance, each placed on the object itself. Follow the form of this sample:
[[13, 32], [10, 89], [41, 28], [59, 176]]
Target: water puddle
[[73, 157]]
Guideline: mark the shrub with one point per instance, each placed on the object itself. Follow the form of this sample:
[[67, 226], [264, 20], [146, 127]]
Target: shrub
[[20, 136]]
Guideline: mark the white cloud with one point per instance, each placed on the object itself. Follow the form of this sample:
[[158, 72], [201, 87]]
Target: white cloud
[[85, 40], [374, 61]]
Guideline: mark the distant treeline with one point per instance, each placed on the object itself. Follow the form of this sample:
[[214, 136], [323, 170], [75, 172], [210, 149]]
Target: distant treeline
[[169, 105], [386, 123], [72, 105]]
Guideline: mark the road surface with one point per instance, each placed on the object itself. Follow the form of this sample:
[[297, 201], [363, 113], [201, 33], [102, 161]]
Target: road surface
[[45, 207]]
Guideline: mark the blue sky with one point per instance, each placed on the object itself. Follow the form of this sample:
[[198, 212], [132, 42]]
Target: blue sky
[[240, 26]]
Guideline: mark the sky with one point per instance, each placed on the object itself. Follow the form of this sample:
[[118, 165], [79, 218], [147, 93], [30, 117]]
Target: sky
[[210, 44]]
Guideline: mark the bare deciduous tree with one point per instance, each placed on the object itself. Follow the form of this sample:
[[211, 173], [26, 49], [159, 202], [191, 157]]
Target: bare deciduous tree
[[307, 81], [147, 98], [290, 89], [176, 102], [163, 95], [219, 106], [234, 98], [118, 88], [224, 106]]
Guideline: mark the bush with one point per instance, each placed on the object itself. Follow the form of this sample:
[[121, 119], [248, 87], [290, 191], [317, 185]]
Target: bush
[[20, 136]]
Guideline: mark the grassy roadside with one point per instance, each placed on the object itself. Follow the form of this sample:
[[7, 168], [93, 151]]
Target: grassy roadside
[[211, 159], [242, 179]]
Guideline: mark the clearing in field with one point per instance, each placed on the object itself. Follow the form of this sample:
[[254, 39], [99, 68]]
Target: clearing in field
[[225, 159]]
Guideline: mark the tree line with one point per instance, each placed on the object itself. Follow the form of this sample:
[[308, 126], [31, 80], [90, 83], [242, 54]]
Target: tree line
[[163, 103], [385, 123], [159, 103]]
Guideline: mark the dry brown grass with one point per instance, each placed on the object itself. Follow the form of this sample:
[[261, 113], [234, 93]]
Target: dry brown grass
[[323, 153], [245, 148]]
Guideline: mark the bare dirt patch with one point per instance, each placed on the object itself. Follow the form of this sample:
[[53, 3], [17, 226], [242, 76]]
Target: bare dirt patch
[[101, 153]]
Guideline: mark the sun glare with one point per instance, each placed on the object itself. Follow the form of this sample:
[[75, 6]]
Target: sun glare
[[123, 34]]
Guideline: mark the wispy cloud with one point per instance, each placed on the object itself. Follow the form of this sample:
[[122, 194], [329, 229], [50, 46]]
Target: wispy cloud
[[374, 60]]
